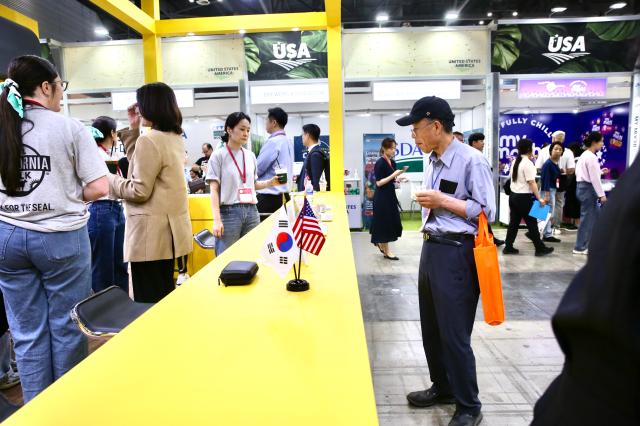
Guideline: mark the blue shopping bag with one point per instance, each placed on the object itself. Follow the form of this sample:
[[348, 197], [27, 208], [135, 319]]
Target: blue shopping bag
[[539, 212]]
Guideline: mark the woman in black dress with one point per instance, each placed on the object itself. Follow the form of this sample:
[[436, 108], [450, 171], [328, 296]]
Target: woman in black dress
[[386, 225]]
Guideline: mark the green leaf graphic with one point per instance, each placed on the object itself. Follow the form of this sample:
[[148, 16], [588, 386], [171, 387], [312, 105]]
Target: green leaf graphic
[[315, 40], [588, 64], [615, 31], [308, 70], [505, 47], [252, 55]]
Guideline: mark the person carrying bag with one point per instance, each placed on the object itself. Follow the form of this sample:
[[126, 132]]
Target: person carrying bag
[[488, 269]]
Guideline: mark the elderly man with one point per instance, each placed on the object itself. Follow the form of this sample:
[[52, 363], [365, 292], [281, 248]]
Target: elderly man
[[460, 187]]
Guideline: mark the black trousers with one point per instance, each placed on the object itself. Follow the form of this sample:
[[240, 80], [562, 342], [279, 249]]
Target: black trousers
[[152, 280], [270, 203], [519, 207], [448, 295]]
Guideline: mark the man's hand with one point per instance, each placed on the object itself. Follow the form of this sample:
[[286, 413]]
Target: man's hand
[[430, 198], [134, 117]]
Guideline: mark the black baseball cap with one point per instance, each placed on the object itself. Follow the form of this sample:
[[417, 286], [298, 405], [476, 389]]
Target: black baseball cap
[[430, 107]]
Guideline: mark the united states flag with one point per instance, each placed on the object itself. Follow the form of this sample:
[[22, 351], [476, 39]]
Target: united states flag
[[307, 232]]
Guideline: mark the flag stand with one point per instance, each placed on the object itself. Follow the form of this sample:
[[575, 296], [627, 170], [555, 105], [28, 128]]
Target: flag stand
[[298, 284]]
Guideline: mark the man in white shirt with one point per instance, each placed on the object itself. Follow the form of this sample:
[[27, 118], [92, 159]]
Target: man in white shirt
[[567, 166]]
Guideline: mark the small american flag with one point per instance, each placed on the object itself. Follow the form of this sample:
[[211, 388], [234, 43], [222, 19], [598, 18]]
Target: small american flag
[[307, 232]]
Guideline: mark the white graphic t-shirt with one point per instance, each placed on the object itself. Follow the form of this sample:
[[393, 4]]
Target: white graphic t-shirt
[[59, 157]]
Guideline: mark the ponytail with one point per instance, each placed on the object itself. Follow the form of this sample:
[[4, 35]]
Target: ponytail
[[525, 147], [27, 73]]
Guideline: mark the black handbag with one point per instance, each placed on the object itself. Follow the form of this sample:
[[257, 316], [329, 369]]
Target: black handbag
[[507, 186], [238, 272]]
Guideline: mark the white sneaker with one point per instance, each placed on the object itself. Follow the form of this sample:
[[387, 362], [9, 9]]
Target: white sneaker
[[556, 231], [585, 251], [182, 278]]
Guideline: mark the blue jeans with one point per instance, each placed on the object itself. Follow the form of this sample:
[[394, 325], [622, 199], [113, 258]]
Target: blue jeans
[[589, 212], [548, 230], [238, 220], [42, 275], [106, 233]]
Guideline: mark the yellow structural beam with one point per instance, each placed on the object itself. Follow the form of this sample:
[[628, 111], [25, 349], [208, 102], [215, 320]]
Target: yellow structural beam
[[20, 19], [151, 8], [250, 23], [129, 14], [336, 106], [333, 10], [152, 58]]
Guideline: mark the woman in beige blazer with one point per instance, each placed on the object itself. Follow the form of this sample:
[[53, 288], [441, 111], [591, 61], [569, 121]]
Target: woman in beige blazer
[[158, 228]]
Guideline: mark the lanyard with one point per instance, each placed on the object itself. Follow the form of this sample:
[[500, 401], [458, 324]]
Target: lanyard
[[32, 102], [388, 161], [243, 173], [433, 181]]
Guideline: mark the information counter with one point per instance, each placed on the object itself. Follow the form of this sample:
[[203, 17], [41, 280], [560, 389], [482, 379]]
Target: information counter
[[216, 355]]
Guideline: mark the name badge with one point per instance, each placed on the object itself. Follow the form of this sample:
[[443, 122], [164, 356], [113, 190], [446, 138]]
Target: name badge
[[245, 195]]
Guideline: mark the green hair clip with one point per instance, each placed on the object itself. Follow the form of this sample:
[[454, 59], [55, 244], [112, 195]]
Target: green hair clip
[[97, 134], [13, 97]]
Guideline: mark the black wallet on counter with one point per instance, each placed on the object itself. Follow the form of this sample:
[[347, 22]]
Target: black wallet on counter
[[238, 272]]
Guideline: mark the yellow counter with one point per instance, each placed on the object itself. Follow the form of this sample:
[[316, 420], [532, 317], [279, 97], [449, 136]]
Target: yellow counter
[[201, 218], [253, 355]]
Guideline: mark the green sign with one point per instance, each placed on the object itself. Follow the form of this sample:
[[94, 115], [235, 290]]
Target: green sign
[[283, 56], [594, 47]]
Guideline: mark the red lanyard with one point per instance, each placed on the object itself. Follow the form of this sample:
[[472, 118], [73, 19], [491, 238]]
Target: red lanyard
[[388, 161], [32, 102], [243, 173]]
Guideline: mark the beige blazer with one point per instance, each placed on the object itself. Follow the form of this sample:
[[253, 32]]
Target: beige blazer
[[157, 211]]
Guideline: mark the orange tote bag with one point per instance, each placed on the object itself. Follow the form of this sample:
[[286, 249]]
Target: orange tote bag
[[486, 256]]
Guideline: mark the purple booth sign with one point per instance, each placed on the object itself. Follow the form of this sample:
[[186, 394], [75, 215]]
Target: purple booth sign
[[562, 88]]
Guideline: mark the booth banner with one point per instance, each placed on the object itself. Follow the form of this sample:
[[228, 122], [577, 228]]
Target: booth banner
[[634, 122], [562, 88], [415, 54], [612, 122], [594, 47], [209, 61], [287, 55], [371, 152], [92, 68], [300, 151], [23, 42]]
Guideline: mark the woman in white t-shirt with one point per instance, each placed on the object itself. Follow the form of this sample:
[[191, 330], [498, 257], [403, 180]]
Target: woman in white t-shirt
[[48, 169], [232, 176], [106, 223], [523, 190]]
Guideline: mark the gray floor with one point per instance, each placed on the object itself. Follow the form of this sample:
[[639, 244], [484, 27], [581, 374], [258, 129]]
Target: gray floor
[[515, 361]]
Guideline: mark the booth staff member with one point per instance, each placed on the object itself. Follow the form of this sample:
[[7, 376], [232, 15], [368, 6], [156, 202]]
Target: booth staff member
[[233, 180], [314, 164], [275, 154], [460, 187]]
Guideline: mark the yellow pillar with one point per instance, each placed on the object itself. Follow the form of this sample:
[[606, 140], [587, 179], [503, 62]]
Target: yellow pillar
[[20, 19], [151, 45], [336, 108]]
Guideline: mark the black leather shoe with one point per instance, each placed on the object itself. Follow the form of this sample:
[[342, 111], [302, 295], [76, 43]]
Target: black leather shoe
[[543, 251], [429, 397], [510, 250], [465, 419], [498, 242]]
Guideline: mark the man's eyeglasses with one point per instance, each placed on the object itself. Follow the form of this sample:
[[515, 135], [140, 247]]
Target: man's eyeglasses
[[415, 129]]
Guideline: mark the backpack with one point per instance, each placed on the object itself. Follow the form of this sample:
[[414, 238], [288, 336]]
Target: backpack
[[325, 165]]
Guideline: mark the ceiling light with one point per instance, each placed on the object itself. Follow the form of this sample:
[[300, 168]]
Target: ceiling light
[[451, 15], [514, 13], [489, 15], [242, 31], [295, 29], [382, 17], [481, 23], [618, 5], [191, 1], [558, 9], [101, 31], [190, 34], [575, 111]]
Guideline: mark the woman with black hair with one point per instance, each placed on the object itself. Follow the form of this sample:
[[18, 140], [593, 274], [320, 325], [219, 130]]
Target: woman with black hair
[[523, 191], [386, 225], [48, 169], [158, 227], [106, 223], [589, 190], [232, 176]]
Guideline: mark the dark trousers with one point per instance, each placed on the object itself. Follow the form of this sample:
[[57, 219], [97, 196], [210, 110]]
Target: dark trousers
[[270, 203], [152, 280], [519, 208], [182, 263], [448, 295]]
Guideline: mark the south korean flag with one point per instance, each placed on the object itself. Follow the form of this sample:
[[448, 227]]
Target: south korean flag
[[279, 250]]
